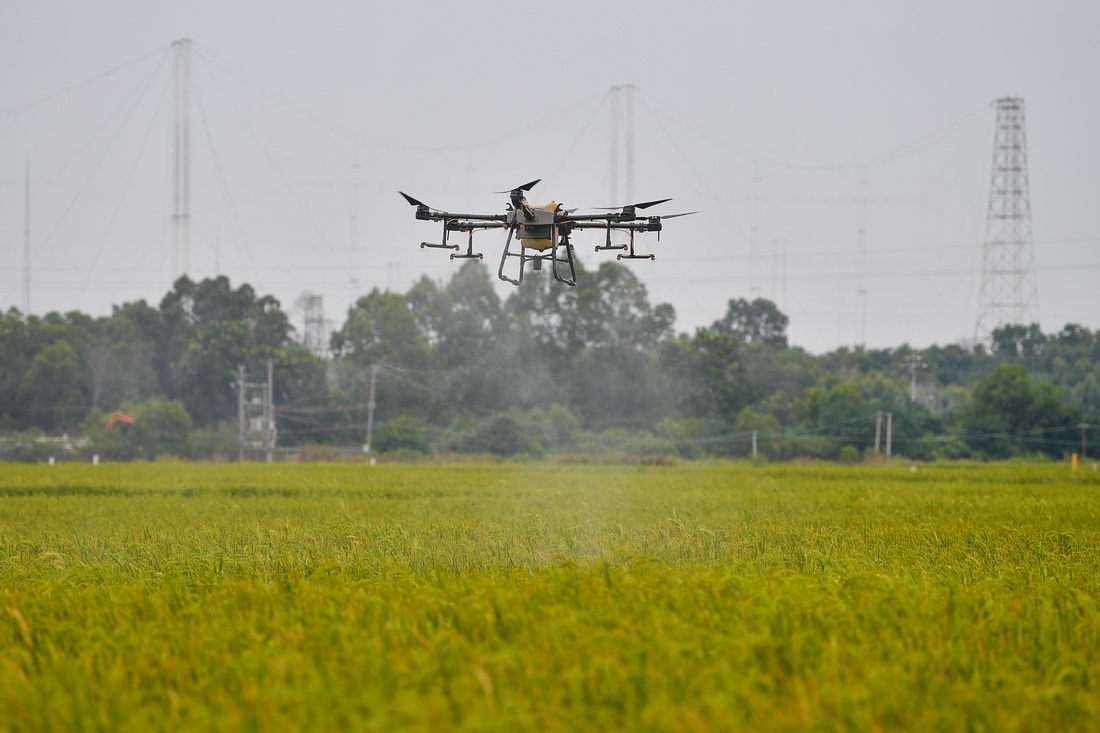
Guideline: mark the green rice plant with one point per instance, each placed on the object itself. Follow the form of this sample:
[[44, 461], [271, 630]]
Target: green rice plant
[[548, 597]]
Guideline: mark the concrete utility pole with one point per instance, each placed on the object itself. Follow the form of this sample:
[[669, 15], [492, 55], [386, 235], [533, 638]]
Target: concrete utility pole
[[240, 413], [889, 432], [269, 413], [913, 363], [878, 431], [370, 412]]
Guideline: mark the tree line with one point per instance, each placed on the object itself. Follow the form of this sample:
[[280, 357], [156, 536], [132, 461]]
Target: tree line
[[594, 370]]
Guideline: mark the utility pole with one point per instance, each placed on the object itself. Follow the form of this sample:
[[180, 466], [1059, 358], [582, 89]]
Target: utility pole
[[240, 413], [269, 413], [1008, 294], [878, 431], [754, 443], [889, 432], [913, 363], [370, 413]]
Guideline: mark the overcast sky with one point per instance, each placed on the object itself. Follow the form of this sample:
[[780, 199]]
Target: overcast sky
[[840, 152]]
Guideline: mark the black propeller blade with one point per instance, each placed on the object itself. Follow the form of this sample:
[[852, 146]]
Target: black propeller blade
[[524, 187], [413, 201], [673, 216], [644, 205]]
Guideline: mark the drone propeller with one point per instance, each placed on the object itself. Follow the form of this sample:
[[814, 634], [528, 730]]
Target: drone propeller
[[647, 204], [644, 205], [673, 216], [412, 201], [524, 187]]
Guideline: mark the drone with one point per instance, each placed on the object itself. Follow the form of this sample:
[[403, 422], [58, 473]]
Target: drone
[[542, 233]]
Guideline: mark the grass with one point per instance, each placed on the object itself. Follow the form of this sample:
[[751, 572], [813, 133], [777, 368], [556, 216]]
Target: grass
[[505, 597]]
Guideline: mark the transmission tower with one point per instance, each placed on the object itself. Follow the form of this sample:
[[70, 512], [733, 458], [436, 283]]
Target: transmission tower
[[181, 156], [1009, 294], [256, 429], [315, 340], [622, 121], [27, 245]]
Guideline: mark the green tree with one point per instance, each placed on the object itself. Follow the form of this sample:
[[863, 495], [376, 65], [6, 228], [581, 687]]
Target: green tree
[[120, 363], [758, 322], [208, 330], [401, 433], [614, 311], [470, 336], [381, 327], [381, 331], [841, 413], [51, 387], [702, 376], [162, 426], [1024, 343], [462, 320], [1087, 396], [1010, 414], [16, 352], [589, 347], [40, 370], [206, 372]]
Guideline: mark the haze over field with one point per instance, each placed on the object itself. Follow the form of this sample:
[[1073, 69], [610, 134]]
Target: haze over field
[[833, 149]]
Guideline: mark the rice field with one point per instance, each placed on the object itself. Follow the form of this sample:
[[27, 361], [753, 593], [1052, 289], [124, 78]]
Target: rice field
[[548, 597]]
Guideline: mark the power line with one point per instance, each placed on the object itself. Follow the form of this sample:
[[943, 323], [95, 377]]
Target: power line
[[99, 162], [79, 85], [758, 159]]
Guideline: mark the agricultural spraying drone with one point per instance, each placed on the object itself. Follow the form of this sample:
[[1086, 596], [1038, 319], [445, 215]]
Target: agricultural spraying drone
[[542, 232]]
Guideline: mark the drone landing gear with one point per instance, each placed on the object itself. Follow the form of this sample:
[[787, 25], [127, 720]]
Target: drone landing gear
[[560, 257], [469, 254], [628, 248]]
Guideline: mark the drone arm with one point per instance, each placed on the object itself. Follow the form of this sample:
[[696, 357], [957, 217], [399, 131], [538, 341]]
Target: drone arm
[[458, 225], [582, 218]]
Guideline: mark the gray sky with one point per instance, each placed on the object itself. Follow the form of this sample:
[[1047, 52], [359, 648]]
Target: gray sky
[[833, 148]]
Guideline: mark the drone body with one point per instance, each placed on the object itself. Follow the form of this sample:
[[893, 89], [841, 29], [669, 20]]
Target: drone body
[[542, 233]]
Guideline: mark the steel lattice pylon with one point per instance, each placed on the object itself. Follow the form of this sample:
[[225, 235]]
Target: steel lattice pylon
[[181, 157], [315, 339], [1009, 294]]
